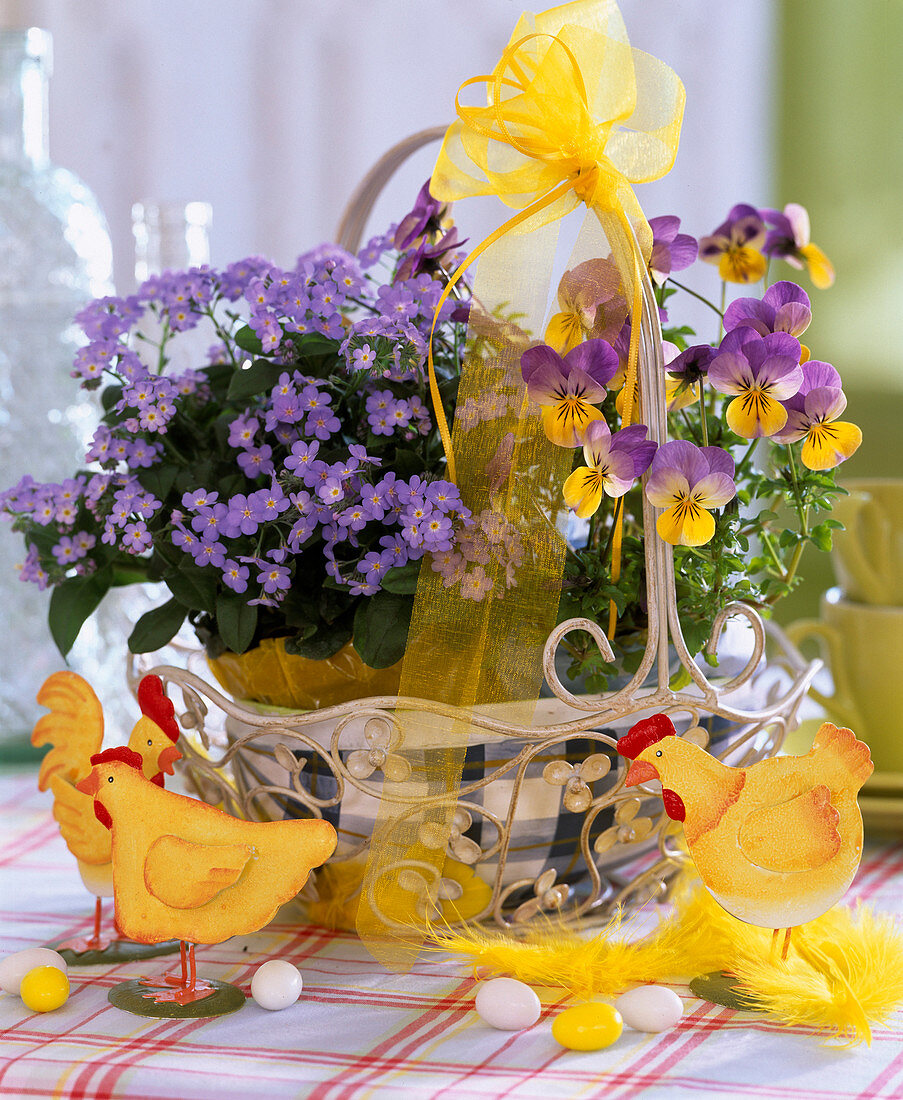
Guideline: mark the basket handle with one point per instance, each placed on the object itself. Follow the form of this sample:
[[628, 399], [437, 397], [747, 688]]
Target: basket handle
[[357, 211]]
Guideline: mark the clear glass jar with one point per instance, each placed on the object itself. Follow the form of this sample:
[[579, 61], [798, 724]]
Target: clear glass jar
[[55, 255]]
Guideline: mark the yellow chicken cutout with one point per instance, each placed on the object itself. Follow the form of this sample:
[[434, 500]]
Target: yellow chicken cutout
[[74, 729], [776, 844], [185, 870]]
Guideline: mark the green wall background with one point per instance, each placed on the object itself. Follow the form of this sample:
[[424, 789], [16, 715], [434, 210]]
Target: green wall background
[[839, 128]]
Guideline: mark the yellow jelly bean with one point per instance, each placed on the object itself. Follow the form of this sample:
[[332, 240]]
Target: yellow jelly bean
[[588, 1027], [44, 989]]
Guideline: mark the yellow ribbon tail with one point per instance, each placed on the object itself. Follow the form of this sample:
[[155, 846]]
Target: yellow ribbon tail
[[453, 279]]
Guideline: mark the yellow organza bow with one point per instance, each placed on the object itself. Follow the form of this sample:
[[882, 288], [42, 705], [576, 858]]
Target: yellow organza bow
[[573, 115]]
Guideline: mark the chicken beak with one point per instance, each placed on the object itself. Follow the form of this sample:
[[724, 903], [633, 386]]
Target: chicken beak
[[89, 784], [167, 758], [640, 771]]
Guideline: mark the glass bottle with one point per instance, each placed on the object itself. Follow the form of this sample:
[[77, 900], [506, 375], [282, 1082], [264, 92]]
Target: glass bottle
[[55, 255]]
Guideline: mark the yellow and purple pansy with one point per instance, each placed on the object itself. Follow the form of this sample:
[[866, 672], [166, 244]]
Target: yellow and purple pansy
[[761, 371], [735, 246], [812, 415], [590, 303], [789, 240], [687, 481], [613, 463], [568, 388]]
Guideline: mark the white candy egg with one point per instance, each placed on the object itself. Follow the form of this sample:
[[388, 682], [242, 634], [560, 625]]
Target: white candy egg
[[276, 984], [14, 967], [507, 1004], [650, 1008]]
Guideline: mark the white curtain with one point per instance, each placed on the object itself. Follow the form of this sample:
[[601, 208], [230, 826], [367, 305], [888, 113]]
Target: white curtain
[[272, 110]]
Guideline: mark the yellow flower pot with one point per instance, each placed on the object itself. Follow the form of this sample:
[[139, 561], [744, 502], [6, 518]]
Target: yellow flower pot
[[272, 677]]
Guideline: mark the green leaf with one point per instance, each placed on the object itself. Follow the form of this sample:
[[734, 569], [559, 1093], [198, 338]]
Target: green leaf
[[381, 628], [236, 621], [402, 579], [158, 479], [679, 680], [259, 377], [248, 340], [323, 643], [73, 602], [155, 628], [110, 396], [313, 343], [194, 587]]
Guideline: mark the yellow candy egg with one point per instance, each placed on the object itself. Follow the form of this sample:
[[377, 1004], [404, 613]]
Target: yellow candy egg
[[44, 989], [588, 1027]]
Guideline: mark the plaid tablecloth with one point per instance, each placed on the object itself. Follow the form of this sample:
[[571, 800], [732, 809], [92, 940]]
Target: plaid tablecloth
[[360, 1032]]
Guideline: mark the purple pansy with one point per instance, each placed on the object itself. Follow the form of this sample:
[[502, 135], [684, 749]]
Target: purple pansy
[[671, 250], [784, 307]]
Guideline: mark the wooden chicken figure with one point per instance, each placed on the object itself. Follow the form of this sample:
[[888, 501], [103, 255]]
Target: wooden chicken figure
[[185, 870], [776, 844], [74, 729]]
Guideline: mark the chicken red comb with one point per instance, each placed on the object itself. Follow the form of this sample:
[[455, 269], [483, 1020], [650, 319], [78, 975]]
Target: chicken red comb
[[122, 754], [157, 706], [645, 733]]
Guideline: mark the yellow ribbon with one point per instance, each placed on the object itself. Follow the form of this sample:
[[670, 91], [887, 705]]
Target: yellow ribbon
[[573, 115]]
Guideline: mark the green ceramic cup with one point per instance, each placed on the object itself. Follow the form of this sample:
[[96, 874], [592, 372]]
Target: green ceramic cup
[[868, 555], [863, 647]]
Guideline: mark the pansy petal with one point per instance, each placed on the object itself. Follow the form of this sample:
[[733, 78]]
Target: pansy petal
[[684, 250], [566, 421], [816, 374], [796, 427], [540, 356], [666, 487], [619, 474], [785, 292], [685, 525], [678, 395], [821, 270], [827, 445], [683, 456], [583, 491], [742, 265], [564, 332], [664, 228], [825, 403], [596, 442], [547, 384], [719, 460], [730, 372], [749, 311], [798, 218], [793, 317], [711, 248], [756, 414], [595, 358], [782, 377], [715, 490]]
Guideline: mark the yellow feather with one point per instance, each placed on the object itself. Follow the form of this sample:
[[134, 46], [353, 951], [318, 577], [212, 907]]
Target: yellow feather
[[844, 971]]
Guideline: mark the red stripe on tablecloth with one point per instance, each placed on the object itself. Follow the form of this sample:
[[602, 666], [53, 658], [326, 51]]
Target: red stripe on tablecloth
[[886, 868], [46, 1039], [885, 1078], [29, 840], [548, 1012], [137, 1049], [373, 1061]]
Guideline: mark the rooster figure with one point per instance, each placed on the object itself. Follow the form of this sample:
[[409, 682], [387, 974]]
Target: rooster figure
[[776, 844], [186, 870], [74, 728]]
